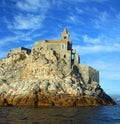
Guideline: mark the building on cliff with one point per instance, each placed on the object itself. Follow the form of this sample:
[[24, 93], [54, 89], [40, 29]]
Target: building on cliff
[[63, 48], [50, 74]]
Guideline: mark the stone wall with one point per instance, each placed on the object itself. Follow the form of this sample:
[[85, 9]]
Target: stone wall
[[18, 50], [57, 45], [88, 73], [62, 49], [93, 74]]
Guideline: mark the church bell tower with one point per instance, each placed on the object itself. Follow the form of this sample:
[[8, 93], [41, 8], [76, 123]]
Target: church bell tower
[[65, 34]]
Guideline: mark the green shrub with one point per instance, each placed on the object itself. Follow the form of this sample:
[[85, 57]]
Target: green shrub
[[21, 57]]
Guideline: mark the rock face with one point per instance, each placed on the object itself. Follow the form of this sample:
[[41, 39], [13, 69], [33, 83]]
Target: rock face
[[41, 77]]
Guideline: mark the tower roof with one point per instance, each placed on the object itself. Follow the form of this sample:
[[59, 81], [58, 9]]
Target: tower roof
[[65, 31]]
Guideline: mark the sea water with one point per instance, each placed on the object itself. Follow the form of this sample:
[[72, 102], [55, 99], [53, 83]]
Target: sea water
[[61, 115]]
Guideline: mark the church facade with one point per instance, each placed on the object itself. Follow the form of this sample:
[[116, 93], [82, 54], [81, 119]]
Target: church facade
[[63, 48]]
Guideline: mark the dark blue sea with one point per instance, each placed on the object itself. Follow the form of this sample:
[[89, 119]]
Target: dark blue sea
[[61, 115]]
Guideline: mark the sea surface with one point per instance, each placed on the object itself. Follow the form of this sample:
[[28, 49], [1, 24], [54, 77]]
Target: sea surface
[[61, 115]]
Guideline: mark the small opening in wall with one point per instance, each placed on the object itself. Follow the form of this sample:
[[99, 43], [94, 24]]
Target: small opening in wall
[[72, 57], [64, 56], [65, 37]]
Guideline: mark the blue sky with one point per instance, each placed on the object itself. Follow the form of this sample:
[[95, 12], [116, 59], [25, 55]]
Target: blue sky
[[94, 27]]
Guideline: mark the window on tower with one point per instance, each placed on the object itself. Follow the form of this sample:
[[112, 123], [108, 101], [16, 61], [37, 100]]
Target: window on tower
[[65, 37]]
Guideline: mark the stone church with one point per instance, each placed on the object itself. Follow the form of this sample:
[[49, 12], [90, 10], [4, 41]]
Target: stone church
[[63, 48]]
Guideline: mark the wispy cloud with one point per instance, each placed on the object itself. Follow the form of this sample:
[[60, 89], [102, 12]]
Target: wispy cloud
[[88, 40], [103, 16], [78, 10], [90, 49], [102, 20], [72, 19], [30, 14], [33, 5], [27, 22]]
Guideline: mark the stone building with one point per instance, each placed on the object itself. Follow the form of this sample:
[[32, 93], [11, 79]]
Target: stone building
[[63, 47], [64, 51]]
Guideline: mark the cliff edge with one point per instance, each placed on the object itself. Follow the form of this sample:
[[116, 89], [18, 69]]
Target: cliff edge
[[49, 75]]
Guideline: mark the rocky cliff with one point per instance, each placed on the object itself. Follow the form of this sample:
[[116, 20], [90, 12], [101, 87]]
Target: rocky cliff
[[38, 79]]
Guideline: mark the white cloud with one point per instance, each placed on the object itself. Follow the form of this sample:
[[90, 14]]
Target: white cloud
[[90, 49], [72, 19], [103, 16], [8, 39], [30, 14], [101, 20], [79, 11], [87, 39], [29, 21], [33, 5]]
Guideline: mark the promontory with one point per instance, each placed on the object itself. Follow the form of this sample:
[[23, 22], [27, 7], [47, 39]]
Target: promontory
[[49, 74]]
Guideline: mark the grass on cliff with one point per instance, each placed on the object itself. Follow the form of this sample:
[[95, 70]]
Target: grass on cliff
[[21, 57]]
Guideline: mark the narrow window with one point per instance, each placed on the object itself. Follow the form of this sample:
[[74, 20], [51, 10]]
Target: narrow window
[[63, 46], [64, 56]]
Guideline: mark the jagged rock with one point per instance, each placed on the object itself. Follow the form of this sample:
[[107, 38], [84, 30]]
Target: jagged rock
[[49, 75], [88, 92], [99, 91]]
